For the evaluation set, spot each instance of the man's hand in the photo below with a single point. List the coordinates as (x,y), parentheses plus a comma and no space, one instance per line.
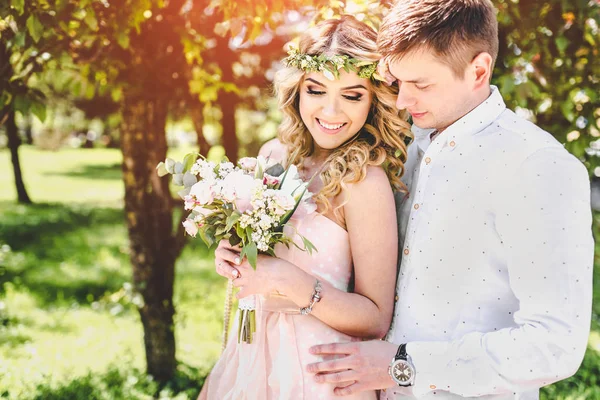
(364,366)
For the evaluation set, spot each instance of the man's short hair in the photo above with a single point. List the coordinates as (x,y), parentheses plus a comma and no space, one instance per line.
(455,30)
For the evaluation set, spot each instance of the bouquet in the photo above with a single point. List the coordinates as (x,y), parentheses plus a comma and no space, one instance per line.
(248,204)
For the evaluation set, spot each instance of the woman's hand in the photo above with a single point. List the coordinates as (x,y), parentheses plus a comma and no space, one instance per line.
(226,257)
(267,278)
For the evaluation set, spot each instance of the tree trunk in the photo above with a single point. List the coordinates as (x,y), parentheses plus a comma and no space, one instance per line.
(154,246)
(228,103)
(198,120)
(13,143)
(29,130)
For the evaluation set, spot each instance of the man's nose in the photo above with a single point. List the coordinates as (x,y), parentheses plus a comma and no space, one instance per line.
(405,99)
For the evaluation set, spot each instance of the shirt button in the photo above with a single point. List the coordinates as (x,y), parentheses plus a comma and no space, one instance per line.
(452,143)
(416,206)
(427,160)
(406,252)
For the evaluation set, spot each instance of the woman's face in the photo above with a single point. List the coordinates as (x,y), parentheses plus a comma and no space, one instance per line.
(334,111)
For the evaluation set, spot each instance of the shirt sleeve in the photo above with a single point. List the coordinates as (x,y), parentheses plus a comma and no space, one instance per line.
(543,219)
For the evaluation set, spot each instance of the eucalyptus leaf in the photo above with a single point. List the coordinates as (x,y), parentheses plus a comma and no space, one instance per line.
(170,165)
(184,192)
(178,167)
(189,179)
(178,179)
(161,169)
(275,170)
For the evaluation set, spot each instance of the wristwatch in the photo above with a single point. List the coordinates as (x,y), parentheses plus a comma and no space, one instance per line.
(401,369)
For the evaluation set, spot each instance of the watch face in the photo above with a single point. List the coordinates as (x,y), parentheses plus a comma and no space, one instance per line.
(402,372)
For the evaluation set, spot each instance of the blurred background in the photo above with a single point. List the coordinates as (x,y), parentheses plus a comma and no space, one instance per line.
(101,294)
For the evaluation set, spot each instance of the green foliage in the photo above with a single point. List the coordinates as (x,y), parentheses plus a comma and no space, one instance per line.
(119,383)
(549,64)
(66,303)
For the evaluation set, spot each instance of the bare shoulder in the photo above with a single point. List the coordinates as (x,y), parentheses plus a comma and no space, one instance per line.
(375,183)
(274,149)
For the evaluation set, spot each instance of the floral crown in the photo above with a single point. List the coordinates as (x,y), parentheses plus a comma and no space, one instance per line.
(330,65)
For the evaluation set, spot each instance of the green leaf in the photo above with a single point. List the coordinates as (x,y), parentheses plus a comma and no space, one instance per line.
(22,104)
(123,40)
(308,246)
(116,94)
(189,160)
(5,98)
(90,20)
(35,28)
(252,253)
(19,39)
(39,110)
(19,5)
(562,43)
(232,219)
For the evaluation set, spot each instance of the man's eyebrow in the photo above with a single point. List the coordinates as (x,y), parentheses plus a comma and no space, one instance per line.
(416,80)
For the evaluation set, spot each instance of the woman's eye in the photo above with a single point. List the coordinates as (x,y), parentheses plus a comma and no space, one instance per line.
(314,92)
(353,98)
(422,87)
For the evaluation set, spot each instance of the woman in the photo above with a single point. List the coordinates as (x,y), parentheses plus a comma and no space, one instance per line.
(339,123)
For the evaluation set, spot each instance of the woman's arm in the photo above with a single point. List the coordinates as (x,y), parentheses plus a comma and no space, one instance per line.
(371,224)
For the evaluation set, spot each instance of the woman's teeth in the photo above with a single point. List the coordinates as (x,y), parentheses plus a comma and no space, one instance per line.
(330,126)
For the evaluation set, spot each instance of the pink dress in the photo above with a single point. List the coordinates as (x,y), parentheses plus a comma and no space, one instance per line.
(273,366)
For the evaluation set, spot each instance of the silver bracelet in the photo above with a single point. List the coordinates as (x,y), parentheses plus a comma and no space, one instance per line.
(316,297)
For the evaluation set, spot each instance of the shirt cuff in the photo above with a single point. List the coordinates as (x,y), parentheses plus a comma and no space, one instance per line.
(432,372)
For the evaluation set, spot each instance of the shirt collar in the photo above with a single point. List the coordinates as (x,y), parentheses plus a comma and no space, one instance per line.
(472,123)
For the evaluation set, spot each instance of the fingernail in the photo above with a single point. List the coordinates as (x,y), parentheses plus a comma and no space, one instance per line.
(235,273)
(237,260)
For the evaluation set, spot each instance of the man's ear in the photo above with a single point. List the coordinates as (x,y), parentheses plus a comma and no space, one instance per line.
(481,69)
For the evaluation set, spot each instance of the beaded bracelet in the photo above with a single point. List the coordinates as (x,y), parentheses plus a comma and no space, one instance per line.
(316,297)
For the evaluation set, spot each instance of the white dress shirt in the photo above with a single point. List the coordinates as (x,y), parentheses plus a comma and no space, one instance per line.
(495,281)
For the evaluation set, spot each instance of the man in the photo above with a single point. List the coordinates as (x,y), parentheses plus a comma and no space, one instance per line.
(494,287)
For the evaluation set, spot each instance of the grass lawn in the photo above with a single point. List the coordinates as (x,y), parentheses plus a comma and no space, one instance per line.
(69,328)
(66,306)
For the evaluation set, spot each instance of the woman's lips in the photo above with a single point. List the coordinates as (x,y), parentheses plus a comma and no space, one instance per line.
(330,128)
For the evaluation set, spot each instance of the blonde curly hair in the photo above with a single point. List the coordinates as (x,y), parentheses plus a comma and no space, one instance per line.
(382,141)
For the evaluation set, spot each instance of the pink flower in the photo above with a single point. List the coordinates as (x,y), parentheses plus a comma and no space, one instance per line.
(383,72)
(190,227)
(203,192)
(242,185)
(270,180)
(248,163)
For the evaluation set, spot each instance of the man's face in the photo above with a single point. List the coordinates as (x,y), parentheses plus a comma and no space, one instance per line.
(430,91)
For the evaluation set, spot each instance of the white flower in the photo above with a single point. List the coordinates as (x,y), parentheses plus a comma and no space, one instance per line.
(190,227)
(329,75)
(293,185)
(202,192)
(206,169)
(248,163)
(225,168)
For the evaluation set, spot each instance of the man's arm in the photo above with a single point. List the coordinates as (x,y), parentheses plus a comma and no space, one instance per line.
(544,221)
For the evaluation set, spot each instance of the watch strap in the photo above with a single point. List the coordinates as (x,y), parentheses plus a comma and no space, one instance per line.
(401,353)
